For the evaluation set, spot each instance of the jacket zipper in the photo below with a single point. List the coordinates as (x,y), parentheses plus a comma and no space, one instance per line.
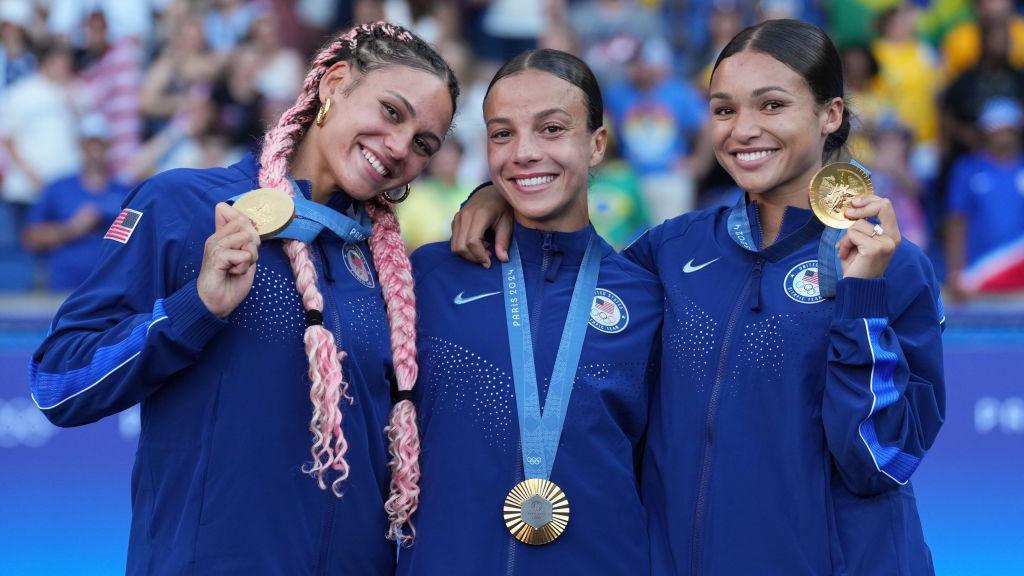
(709,427)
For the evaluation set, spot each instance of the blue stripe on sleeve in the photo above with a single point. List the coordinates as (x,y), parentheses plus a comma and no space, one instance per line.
(52,390)
(889,460)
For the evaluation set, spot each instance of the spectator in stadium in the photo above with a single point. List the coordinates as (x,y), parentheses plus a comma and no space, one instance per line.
(994,76)
(249,375)
(38,128)
(892,177)
(909,77)
(16,57)
(609,32)
(108,82)
(182,64)
(985,226)
(963,45)
(658,120)
(68,220)
(228,22)
(862,83)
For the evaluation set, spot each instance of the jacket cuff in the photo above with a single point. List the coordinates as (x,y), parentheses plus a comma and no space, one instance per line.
(189,317)
(860,298)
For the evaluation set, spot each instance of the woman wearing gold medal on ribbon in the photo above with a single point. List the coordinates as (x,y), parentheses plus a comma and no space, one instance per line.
(801,381)
(254,376)
(533,387)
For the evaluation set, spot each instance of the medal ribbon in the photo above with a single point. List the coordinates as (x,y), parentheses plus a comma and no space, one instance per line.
(830,268)
(312,217)
(540,433)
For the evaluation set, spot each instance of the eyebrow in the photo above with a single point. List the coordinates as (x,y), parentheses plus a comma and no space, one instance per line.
(540,114)
(408,105)
(755,93)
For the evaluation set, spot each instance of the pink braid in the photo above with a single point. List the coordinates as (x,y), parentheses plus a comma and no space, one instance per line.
(395,275)
(326,377)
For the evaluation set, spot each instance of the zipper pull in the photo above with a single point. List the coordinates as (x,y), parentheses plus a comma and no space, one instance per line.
(755,295)
(549,242)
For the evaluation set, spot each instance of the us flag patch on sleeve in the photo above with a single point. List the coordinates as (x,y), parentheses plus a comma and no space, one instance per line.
(123,226)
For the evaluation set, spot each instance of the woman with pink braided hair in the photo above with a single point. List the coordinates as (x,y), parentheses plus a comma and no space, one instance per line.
(254,377)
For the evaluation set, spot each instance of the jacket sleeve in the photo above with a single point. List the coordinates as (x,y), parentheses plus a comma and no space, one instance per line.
(134,322)
(884,399)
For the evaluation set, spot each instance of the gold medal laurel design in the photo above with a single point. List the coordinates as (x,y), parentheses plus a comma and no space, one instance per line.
(269,208)
(832,189)
(513,511)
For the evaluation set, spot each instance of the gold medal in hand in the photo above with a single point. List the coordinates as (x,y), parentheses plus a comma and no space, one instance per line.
(270,209)
(832,189)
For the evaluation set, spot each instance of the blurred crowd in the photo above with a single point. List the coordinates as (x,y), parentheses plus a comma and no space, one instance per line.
(97,95)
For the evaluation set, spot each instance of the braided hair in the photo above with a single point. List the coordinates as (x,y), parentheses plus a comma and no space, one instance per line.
(366,48)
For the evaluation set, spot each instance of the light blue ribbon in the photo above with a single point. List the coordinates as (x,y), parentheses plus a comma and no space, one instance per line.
(540,433)
(830,268)
(312,217)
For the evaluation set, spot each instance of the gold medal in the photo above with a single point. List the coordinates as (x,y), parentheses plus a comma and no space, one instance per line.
(536,511)
(269,208)
(832,189)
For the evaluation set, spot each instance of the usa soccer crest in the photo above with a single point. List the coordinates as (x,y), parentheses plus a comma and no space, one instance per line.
(356,263)
(607,313)
(802,283)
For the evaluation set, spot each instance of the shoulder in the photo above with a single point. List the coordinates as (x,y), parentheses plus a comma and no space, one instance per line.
(437,259)
(682,224)
(627,273)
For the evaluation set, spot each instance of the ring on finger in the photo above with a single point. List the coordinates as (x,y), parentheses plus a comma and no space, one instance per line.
(878,230)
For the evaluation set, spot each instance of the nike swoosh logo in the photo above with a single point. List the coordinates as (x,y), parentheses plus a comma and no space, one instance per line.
(689,267)
(460,300)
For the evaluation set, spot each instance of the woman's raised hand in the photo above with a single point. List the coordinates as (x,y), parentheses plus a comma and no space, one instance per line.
(866,248)
(229,261)
(485,210)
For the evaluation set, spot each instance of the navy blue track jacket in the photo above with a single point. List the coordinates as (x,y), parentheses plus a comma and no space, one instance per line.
(471,456)
(217,486)
(785,426)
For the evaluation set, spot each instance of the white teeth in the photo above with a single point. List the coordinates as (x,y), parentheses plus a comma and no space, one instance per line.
(375,163)
(752,156)
(535,181)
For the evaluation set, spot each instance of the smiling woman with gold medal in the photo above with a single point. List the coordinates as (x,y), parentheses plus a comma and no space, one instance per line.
(534,375)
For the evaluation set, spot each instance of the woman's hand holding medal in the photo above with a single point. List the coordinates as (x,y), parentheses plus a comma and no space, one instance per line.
(866,248)
(229,261)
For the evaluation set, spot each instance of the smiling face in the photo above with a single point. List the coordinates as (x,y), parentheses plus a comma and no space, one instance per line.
(767,130)
(381,131)
(540,150)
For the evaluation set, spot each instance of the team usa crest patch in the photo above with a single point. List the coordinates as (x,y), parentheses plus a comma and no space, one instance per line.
(802,283)
(607,312)
(356,263)
(124,225)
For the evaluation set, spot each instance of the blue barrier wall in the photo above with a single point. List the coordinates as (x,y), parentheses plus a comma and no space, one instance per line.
(64,494)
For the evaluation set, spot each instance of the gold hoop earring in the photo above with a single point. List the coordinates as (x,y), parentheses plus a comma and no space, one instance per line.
(321,114)
(387,195)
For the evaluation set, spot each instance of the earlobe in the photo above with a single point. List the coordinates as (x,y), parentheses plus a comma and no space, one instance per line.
(598,145)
